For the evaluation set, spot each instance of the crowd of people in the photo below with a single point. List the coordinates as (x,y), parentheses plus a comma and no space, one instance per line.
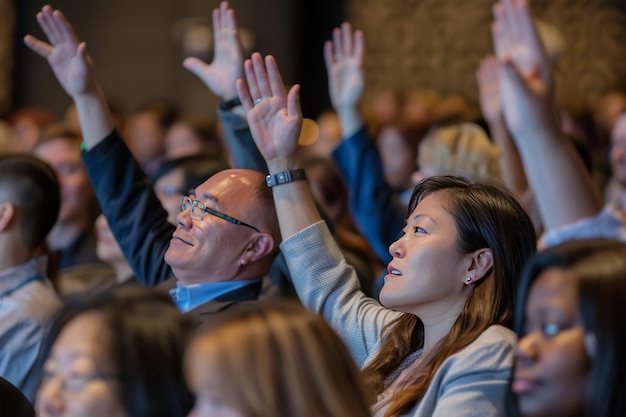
(414,262)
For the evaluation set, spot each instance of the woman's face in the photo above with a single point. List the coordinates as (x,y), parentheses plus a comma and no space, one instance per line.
(79,379)
(426,275)
(551,364)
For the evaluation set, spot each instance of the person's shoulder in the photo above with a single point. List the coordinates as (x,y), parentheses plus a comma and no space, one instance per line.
(493,347)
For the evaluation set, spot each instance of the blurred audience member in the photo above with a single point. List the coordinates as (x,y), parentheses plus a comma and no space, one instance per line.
(72,238)
(27,124)
(116,355)
(144,132)
(276,360)
(570,319)
(192,135)
(29,204)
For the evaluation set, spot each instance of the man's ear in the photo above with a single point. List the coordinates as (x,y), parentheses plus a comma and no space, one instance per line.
(7,212)
(481,263)
(259,246)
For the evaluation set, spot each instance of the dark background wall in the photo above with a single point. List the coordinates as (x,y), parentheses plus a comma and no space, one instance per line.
(138,56)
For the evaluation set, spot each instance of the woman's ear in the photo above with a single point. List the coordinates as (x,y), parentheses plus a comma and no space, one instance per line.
(7,212)
(481,263)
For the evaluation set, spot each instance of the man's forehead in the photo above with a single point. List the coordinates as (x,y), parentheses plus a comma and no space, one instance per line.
(227,183)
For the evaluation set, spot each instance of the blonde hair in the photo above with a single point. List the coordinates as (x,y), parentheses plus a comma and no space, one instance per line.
(462,149)
(279,360)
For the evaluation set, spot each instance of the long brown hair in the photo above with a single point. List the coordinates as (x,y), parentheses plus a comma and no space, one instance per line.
(486,216)
(277,359)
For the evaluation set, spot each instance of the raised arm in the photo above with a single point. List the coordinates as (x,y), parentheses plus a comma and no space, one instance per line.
(227,67)
(344,65)
(74,70)
(564,190)
(376,208)
(131,207)
(220,76)
(323,280)
(509,161)
(275,122)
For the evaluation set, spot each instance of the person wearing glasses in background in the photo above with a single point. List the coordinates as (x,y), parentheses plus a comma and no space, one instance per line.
(226,234)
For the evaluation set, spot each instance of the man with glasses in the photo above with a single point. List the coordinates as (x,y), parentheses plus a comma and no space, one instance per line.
(226,234)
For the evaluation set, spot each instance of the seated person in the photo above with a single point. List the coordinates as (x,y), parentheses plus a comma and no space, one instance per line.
(29,204)
(226,234)
(570,320)
(192,135)
(441,344)
(116,355)
(294,365)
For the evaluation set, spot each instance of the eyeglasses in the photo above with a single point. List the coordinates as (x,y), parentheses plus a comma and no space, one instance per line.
(198,209)
(75,383)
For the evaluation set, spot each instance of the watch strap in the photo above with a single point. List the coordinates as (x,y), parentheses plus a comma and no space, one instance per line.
(285,177)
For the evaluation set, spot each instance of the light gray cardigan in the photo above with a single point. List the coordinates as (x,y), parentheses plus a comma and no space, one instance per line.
(472,382)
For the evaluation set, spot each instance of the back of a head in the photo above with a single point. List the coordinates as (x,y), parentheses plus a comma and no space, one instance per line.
(145,338)
(599,268)
(277,360)
(60,131)
(31,185)
(462,149)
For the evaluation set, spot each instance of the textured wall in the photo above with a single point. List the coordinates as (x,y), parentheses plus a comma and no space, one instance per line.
(438,44)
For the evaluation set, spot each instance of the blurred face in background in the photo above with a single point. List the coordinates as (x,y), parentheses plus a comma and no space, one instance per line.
(79,376)
(76,192)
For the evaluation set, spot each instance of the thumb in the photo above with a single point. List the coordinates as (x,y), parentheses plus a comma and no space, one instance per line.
(193,64)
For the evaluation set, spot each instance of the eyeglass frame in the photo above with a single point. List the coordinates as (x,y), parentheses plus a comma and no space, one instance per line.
(205,209)
(76,383)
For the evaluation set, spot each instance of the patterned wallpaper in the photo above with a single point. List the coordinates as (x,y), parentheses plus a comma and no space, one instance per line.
(438,43)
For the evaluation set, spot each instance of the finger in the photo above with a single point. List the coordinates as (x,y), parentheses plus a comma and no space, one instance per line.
(346,38)
(500,44)
(510,18)
(224,15)
(276,80)
(44,18)
(40,47)
(261,75)
(293,102)
(231,21)
(251,79)
(337,41)
(359,45)
(64,27)
(244,95)
(215,17)
(328,56)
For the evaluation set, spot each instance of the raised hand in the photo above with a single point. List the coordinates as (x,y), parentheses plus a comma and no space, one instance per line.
(344,65)
(274,116)
(65,54)
(526,84)
(489,90)
(227,66)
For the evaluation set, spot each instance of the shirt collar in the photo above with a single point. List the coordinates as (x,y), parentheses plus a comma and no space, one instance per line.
(16,276)
(188,297)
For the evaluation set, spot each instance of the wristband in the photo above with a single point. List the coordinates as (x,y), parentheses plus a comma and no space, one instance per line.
(230,104)
(285,177)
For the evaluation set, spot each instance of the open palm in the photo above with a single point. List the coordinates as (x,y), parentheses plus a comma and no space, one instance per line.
(274,117)
(66,56)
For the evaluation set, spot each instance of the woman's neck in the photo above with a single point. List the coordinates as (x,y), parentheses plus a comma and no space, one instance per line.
(438,326)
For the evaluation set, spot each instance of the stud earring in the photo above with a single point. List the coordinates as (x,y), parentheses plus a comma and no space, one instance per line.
(468,280)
